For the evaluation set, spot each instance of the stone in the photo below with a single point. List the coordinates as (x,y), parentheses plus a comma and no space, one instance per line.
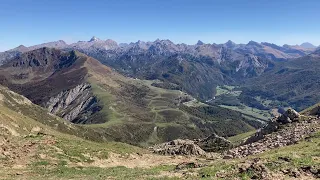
(35,130)
(283,135)
(178,147)
(289,116)
(214,143)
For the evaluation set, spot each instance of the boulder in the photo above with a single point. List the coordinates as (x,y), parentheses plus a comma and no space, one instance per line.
(178,147)
(292,114)
(199,147)
(214,143)
(272,126)
(289,116)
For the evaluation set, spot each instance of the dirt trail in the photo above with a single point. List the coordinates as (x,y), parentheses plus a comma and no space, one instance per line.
(138,161)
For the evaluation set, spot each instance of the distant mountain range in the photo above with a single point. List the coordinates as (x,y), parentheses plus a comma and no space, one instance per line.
(268,50)
(197,69)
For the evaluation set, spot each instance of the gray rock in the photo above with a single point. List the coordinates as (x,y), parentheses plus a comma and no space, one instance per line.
(289,116)
(73,104)
(214,143)
(276,136)
(178,147)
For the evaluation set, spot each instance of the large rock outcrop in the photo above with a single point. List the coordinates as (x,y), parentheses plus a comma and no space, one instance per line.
(178,147)
(202,147)
(75,104)
(285,130)
(289,116)
(214,143)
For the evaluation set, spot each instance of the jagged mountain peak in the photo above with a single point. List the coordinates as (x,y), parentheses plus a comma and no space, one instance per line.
(163,41)
(20,48)
(94,38)
(253,43)
(123,45)
(230,44)
(110,41)
(62,42)
(307,45)
(199,43)
(140,42)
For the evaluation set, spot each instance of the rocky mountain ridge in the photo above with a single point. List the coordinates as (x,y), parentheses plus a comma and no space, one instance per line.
(197,69)
(266,50)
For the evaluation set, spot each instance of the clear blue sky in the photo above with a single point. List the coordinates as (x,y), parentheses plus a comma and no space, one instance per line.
(30,22)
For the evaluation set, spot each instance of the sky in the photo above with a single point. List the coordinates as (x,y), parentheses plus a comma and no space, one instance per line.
(31,22)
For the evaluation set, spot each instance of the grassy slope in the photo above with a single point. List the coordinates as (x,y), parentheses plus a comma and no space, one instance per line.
(155,112)
(48,153)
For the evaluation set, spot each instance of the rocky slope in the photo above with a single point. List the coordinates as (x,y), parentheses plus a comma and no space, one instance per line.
(285,135)
(286,148)
(46,76)
(285,130)
(74,104)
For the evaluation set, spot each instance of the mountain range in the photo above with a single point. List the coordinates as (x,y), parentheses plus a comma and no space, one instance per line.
(203,66)
(81,90)
(269,50)
(149,92)
(70,111)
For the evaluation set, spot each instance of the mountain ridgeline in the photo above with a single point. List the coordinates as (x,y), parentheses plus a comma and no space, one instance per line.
(151,92)
(197,69)
(81,90)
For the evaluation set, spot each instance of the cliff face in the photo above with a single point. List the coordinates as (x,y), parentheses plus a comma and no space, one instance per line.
(75,105)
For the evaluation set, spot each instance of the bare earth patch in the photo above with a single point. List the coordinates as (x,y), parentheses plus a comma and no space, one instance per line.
(137,161)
